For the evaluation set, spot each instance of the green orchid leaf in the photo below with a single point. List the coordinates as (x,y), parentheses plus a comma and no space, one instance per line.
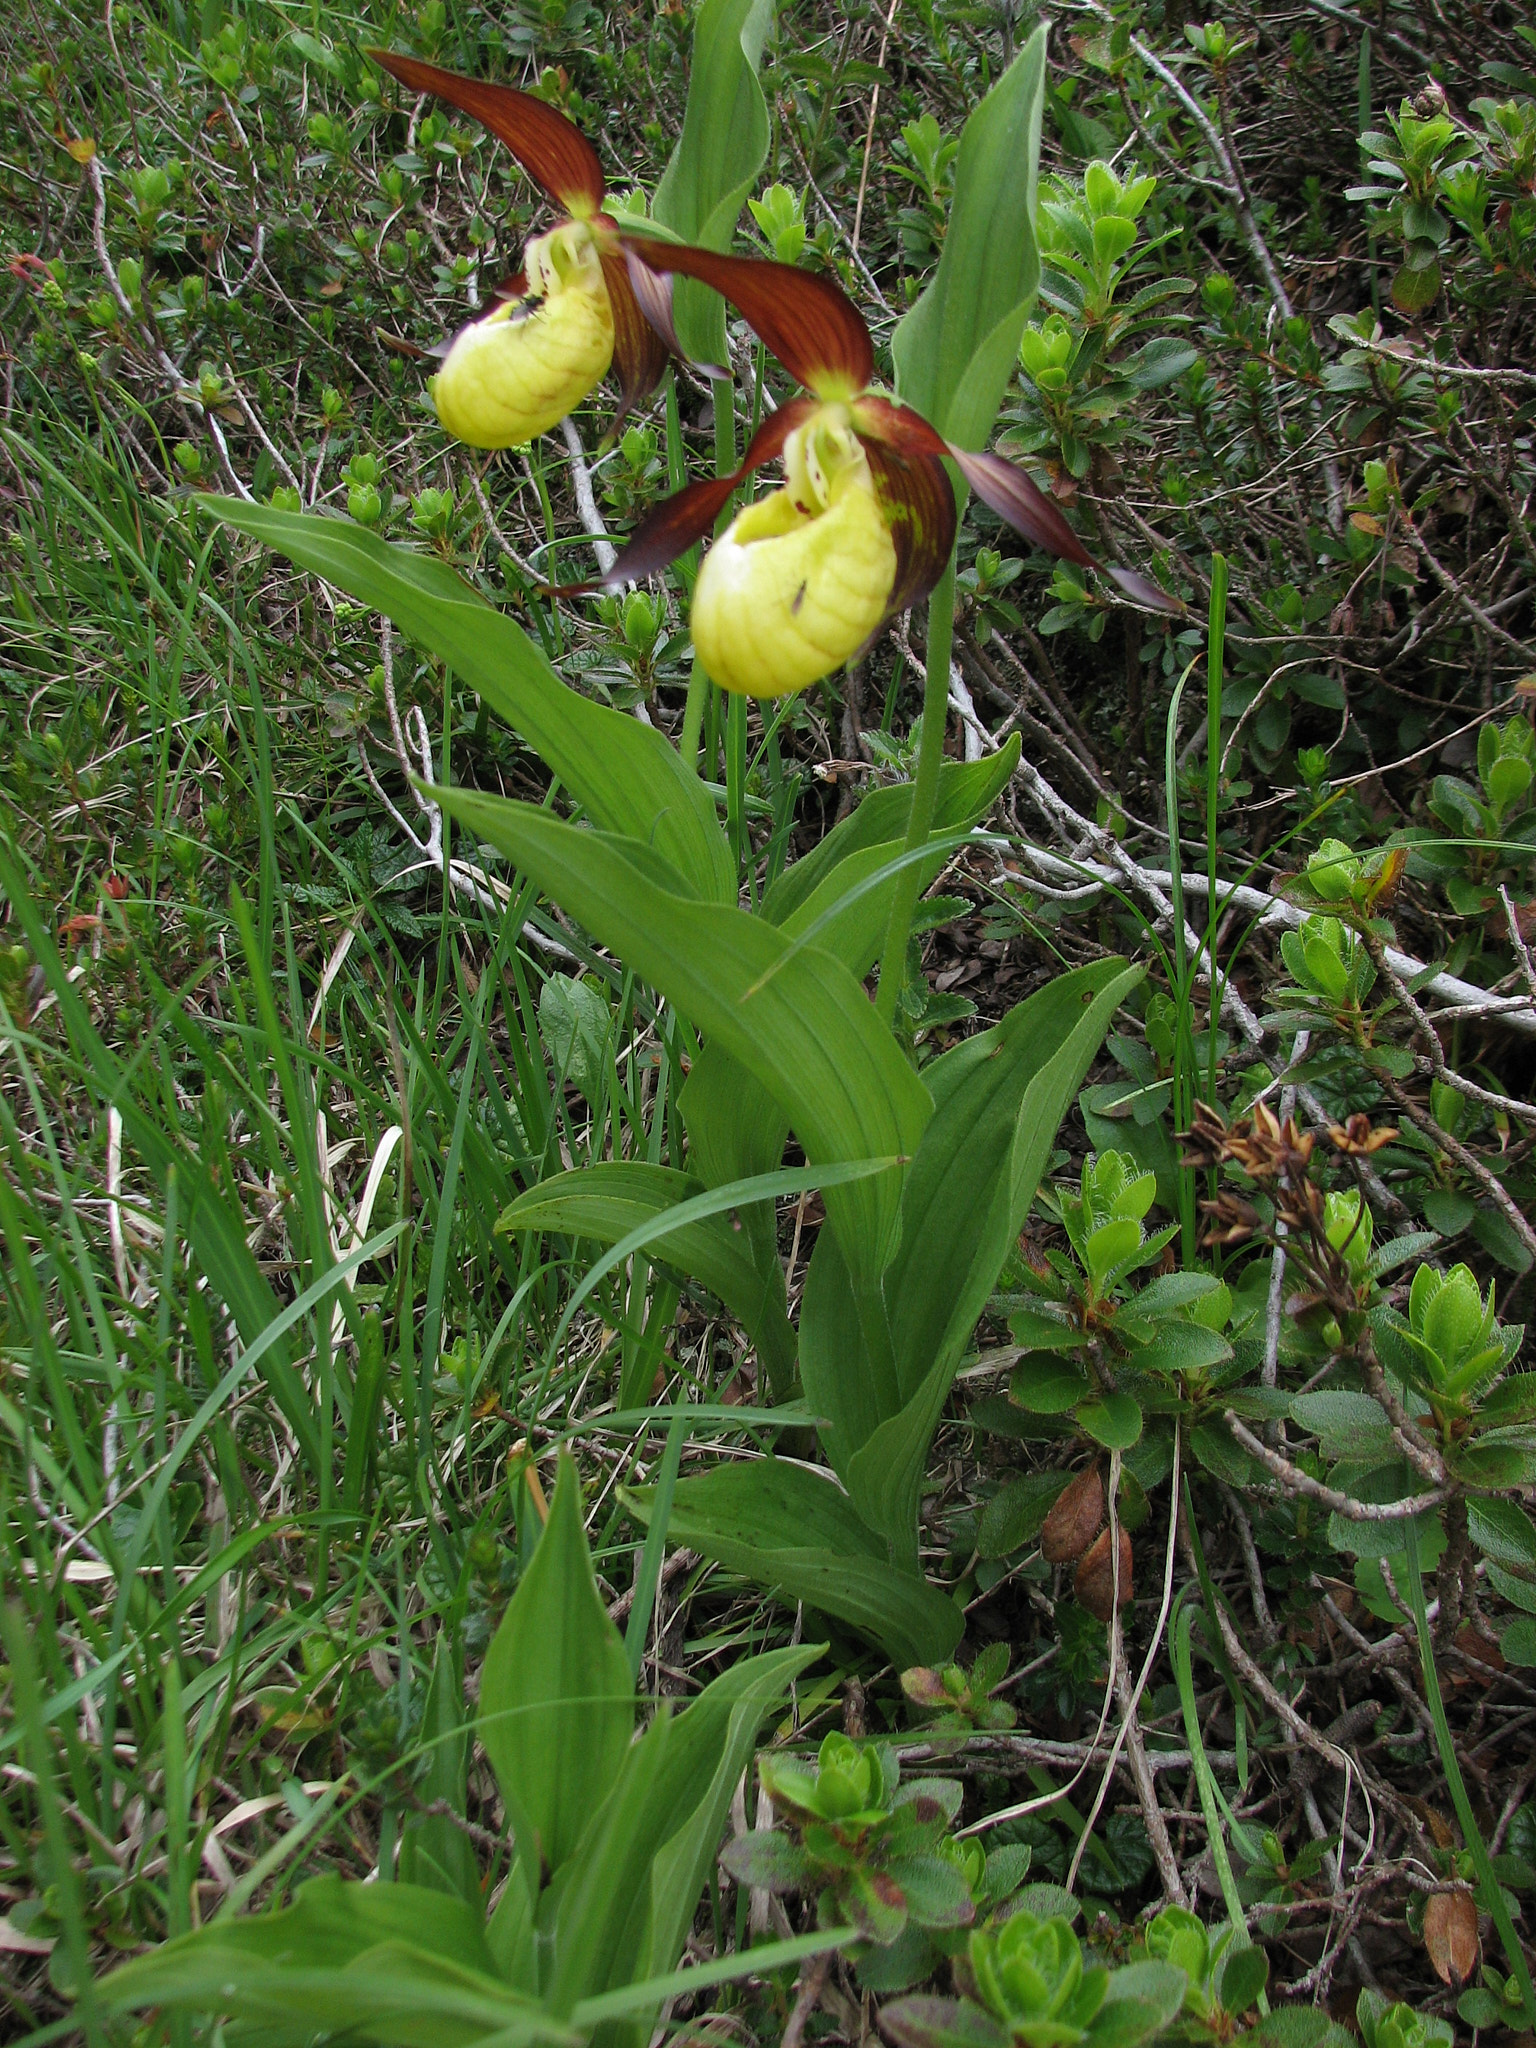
(557,1705)
(955,351)
(735,1127)
(795,1532)
(396,1964)
(723,146)
(840,1383)
(610,1198)
(624,774)
(967,792)
(1000,1100)
(794,1018)
(644,1860)
(886,1475)
(432,1850)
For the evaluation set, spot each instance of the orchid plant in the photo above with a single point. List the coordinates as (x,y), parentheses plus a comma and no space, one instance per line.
(864,524)
(926,1176)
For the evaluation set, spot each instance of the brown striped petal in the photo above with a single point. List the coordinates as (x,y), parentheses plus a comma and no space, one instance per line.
(677,522)
(1018,500)
(640,344)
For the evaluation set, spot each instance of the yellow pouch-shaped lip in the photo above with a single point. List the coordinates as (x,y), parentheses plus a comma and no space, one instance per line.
(797,582)
(521,369)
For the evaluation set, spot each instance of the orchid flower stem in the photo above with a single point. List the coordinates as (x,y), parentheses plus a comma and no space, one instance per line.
(698,681)
(925,790)
(736,778)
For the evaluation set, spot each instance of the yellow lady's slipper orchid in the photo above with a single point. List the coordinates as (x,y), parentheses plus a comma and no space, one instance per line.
(800,580)
(866,520)
(521,369)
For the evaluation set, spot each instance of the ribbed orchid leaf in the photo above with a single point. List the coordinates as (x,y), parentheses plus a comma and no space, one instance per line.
(626,775)
(958,346)
(719,154)
(789,1013)
(551,149)
(793,1529)
(809,323)
(557,1708)
(606,1200)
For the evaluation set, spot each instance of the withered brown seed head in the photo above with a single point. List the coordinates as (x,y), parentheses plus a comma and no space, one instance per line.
(1233,1220)
(1070,1527)
(1265,1148)
(1356,1136)
(1094,1584)
(1205,1141)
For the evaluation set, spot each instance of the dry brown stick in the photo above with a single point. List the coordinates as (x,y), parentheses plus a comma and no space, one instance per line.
(1486,1179)
(1146,1791)
(1517,940)
(1464,597)
(1294,1480)
(1304,1731)
(813,1976)
(679,1562)
(869,133)
(1425,1025)
(1251,1565)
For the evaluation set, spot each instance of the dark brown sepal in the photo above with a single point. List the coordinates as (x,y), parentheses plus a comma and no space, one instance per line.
(1143,591)
(809,323)
(551,149)
(639,345)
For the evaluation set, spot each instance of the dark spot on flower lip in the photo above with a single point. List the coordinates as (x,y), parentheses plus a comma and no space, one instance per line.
(799,600)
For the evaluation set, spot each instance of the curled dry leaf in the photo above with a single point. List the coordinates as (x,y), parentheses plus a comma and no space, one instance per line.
(1450,1936)
(1095,1580)
(1073,1522)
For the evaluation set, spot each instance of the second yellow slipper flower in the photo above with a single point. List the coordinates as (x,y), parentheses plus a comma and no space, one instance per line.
(520,370)
(799,581)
